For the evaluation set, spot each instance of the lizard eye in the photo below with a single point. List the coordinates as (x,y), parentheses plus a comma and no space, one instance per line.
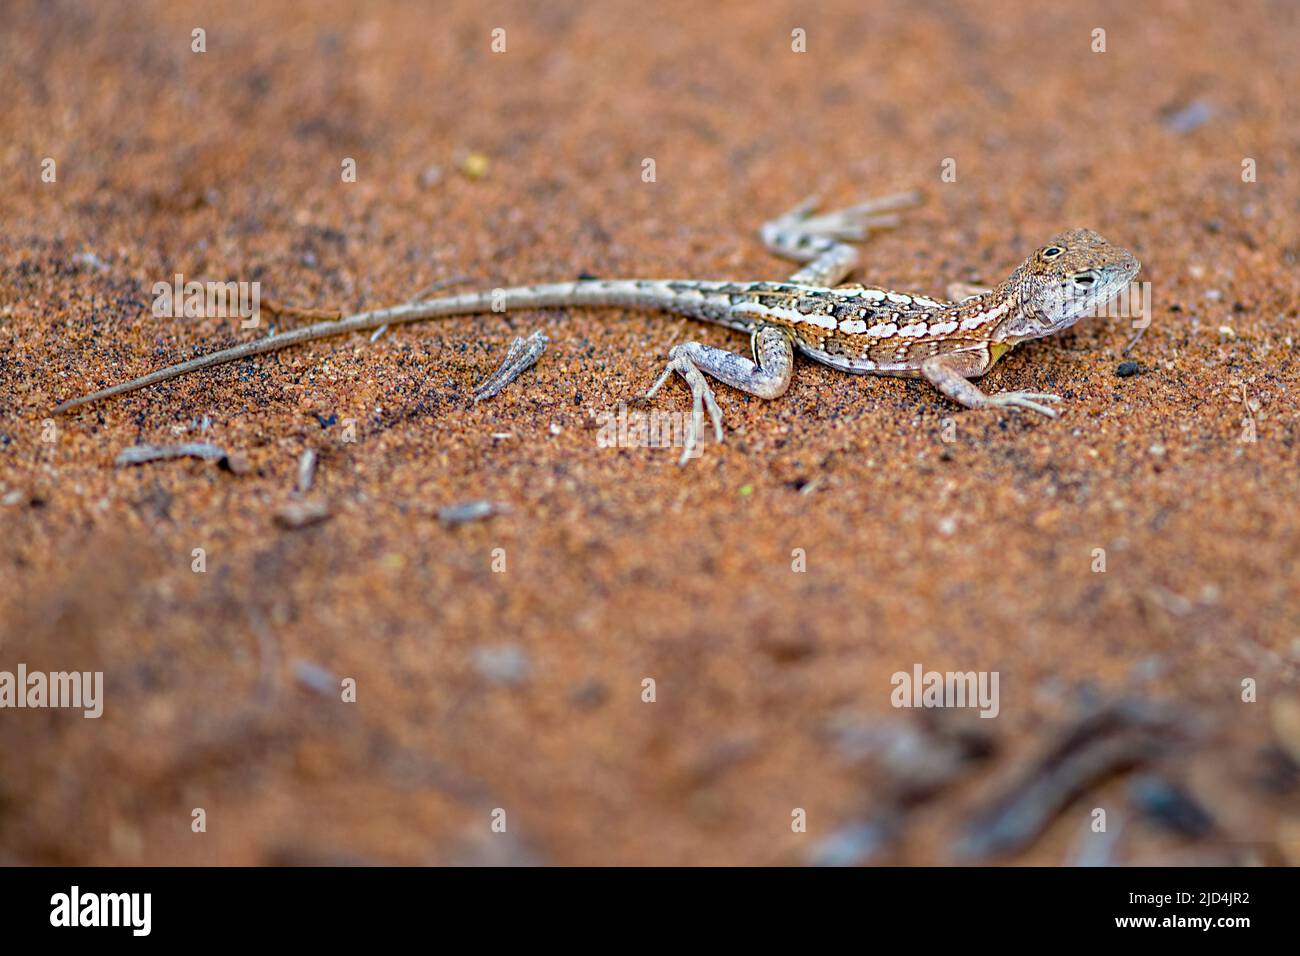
(1051,252)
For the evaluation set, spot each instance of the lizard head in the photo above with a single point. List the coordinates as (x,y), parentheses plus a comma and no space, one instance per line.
(1075,273)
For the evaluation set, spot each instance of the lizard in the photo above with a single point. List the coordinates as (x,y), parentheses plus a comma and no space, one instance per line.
(849,327)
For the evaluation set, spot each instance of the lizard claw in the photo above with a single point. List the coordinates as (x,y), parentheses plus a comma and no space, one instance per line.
(855,222)
(851,224)
(1029,400)
(701,398)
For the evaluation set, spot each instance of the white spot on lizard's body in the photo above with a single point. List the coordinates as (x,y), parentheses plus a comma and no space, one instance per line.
(943,328)
(916,328)
(898,297)
(793,316)
(853,325)
(881,331)
(975,321)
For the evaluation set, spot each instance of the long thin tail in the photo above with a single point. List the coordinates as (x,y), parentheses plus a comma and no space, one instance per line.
(708,301)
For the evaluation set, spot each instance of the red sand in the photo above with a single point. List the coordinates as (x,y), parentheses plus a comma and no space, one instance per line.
(619,565)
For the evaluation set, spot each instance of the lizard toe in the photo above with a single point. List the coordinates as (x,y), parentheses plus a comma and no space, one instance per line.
(702,398)
(1024,400)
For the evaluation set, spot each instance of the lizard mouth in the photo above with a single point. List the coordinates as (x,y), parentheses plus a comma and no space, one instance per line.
(1093,300)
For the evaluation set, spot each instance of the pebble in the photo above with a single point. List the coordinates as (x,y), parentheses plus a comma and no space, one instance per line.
(853,845)
(1148,669)
(505,664)
(589,695)
(90,260)
(306,471)
(302,514)
(314,677)
(856,735)
(431,177)
(453,515)
(475,165)
(1194,114)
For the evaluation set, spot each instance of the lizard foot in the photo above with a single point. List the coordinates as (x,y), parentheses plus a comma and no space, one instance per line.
(853,223)
(1029,400)
(701,397)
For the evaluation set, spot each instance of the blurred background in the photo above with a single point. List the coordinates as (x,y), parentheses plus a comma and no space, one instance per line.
(501,664)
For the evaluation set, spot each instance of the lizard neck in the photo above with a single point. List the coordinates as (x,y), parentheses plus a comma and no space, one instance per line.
(990,312)
(1023,320)
(1010,327)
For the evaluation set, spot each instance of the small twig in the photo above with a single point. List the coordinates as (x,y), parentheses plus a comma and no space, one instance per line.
(1105,742)
(141,454)
(302,514)
(453,515)
(306,471)
(1170,601)
(315,677)
(440,284)
(1135,339)
(1246,401)
(268,652)
(811,486)
(522,355)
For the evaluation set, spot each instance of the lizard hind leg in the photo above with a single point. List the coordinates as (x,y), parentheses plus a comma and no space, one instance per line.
(821,242)
(768,376)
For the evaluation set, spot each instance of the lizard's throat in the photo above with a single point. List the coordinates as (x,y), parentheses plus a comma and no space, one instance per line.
(1017,321)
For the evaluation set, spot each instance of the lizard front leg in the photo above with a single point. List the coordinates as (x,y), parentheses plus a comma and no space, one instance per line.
(950,374)
(768,376)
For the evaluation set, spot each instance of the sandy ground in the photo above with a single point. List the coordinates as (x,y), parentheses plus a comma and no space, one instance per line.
(500,665)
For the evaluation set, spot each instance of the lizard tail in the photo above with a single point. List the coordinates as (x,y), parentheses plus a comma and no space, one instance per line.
(642,293)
